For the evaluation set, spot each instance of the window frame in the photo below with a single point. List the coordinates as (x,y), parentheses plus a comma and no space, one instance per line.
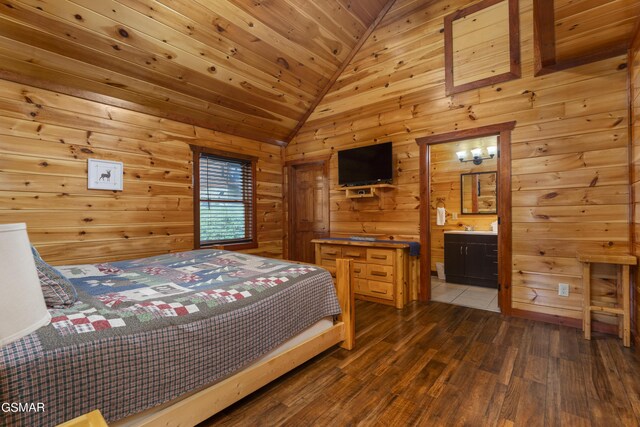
(224,155)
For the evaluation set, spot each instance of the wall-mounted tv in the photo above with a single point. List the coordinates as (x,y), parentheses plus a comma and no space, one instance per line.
(372,164)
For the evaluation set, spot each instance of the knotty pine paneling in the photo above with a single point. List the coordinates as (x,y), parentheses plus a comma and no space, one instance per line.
(445,183)
(586,26)
(475,37)
(45,141)
(570,161)
(247,68)
(634,101)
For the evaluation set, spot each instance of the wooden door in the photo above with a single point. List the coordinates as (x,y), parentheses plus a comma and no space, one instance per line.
(308,208)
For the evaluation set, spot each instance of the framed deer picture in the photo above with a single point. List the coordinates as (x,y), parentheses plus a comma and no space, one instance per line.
(104,175)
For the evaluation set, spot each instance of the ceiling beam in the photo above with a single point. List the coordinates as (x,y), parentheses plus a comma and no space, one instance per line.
(340,69)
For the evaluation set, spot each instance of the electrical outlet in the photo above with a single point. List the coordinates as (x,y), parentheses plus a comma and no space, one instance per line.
(454,215)
(563,289)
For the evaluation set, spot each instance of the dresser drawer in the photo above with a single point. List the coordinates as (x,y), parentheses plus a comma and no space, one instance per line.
(330,251)
(383,273)
(354,253)
(359,270)
(380,256)
(383,290)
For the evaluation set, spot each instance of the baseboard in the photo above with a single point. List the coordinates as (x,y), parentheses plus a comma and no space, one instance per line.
(564,321)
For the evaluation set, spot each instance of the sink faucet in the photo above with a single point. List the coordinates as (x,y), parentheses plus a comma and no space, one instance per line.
(468,228)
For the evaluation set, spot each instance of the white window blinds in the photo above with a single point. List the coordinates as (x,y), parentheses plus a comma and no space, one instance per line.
(225,200)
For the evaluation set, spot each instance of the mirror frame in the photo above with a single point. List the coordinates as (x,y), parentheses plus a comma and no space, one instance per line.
(462,175)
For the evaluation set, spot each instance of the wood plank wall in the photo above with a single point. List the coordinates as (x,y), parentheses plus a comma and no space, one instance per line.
(580,26)
(45,141)
(445,183)
(569,152)
(634,100)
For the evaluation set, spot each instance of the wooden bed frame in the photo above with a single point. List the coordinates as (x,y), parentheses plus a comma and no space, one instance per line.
(198,407)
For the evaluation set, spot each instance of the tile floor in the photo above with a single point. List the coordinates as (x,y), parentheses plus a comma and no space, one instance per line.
(468,296)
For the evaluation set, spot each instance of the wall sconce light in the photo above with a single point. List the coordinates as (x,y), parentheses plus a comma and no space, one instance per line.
(476,155)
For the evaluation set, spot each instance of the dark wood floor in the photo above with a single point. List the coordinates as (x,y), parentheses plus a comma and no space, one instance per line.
(438,364)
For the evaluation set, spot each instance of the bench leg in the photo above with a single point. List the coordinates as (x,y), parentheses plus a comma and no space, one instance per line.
(586,302)
(626,339)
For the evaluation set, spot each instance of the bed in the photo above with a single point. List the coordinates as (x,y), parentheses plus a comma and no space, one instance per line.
(173,339)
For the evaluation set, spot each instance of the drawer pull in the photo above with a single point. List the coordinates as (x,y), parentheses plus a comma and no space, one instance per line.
(379,273)
(378,292)
(357,270)
(331,252)
(379,256)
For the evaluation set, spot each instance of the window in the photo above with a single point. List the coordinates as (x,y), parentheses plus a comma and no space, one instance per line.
(224,199)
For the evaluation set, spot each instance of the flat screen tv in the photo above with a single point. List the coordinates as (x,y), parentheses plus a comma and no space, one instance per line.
(372,164)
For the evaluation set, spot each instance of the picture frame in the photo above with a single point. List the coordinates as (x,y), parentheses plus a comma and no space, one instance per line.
(511,53)
(104,175)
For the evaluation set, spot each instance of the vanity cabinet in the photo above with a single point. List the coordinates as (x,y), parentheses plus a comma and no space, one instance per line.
(471,258)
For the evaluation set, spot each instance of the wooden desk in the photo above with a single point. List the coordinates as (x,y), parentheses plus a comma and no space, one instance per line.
(383,270)
(623,290)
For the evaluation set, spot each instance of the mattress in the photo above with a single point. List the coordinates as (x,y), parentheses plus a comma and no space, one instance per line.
(147,331)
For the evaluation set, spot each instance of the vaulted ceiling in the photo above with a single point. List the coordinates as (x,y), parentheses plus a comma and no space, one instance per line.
(252,68)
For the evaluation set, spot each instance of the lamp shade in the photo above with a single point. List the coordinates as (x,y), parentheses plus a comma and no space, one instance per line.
(476,152)
(22,306)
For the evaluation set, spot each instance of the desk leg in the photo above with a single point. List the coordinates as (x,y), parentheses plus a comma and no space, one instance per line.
(626,291)
(586,302)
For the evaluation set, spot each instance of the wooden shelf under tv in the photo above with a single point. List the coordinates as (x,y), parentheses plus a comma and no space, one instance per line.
(362,191)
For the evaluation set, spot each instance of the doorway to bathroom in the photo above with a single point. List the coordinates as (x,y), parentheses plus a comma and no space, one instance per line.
(464,224)
(465,220)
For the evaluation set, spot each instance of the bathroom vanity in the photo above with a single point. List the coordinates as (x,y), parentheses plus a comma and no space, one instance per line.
(471,258)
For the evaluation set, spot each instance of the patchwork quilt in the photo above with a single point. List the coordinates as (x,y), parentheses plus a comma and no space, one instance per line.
(145,331)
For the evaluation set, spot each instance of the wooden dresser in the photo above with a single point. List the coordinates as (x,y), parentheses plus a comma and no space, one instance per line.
(383,270)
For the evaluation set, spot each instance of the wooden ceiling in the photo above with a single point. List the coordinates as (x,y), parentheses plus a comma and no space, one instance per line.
(252,68)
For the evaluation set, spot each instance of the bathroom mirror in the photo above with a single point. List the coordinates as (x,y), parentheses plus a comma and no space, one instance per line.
(478,193)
